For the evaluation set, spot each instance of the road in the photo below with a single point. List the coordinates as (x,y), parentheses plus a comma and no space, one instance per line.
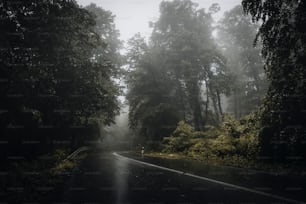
(111,178)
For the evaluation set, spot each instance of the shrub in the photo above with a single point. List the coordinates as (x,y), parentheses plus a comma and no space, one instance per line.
(231,138)
(179,141)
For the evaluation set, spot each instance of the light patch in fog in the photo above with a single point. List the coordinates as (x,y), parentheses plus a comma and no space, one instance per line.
(133,16)
(118,136)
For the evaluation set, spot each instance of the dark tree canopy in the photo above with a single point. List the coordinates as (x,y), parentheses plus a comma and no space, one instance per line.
(283,34)
(110,47)
(49,76)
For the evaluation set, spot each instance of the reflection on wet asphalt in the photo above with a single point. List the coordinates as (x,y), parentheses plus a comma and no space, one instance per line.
(276,183)
(121,178)
(106,178)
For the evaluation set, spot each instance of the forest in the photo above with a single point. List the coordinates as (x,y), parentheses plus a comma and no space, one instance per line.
(180,79)
(231,91)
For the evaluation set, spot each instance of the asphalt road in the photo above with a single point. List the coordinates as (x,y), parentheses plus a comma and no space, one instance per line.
(111,178)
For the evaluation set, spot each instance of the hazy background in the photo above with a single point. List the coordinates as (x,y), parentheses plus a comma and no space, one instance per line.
(133,16)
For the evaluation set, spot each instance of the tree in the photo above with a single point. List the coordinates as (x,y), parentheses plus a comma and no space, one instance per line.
(105,27)
(177,73)
(49,75)
(183,34)
(152,108)
(284,43)
(236,34)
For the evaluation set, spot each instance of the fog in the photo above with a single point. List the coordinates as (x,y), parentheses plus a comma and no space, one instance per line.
(133,16)
(151,101)
(118,136)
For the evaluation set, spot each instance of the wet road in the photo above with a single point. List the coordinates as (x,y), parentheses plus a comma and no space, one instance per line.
(287,186)
(110,178)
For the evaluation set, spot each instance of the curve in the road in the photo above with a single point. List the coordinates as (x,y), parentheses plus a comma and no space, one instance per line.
(213,180)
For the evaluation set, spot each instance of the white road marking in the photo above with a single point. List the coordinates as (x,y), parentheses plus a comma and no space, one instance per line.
(214,181)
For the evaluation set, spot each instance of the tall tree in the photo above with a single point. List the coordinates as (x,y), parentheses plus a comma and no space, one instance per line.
(49,77)
(236,34)
(106,29)
(178,75)
(183,33)
(283,33)
(151,92)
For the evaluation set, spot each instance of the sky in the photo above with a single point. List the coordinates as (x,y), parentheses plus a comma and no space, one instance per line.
(133,16)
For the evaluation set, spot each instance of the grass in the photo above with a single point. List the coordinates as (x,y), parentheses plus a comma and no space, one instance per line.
(236,162)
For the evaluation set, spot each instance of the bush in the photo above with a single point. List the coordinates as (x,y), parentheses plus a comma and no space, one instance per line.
(202,147)
(231,138)
(179,141)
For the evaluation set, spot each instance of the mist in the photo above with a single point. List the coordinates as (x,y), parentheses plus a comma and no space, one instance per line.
(150,101)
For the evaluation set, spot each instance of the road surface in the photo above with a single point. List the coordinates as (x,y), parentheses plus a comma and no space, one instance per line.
(111,178)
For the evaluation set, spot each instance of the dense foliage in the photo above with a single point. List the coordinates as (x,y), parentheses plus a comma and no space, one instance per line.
(109,49)
(183,34)
(179,74)
(152,100)
(236,34)
(234,138)
(283,37)
(280,135)
(52,79)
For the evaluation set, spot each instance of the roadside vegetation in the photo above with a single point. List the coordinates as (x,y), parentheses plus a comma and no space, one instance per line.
(39,180)
(59,62)
(58,68)
(180,80)
(234,138)
(233,143)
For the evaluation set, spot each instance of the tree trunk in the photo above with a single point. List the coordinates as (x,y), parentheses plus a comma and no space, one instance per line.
(182,100)
(198,119)
(216,108)
(196,105)
(207,102)
(219,103)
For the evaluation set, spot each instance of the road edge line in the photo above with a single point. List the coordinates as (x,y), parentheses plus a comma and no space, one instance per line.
(214,181)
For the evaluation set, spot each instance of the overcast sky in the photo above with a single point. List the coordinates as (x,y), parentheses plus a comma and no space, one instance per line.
(133,16)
